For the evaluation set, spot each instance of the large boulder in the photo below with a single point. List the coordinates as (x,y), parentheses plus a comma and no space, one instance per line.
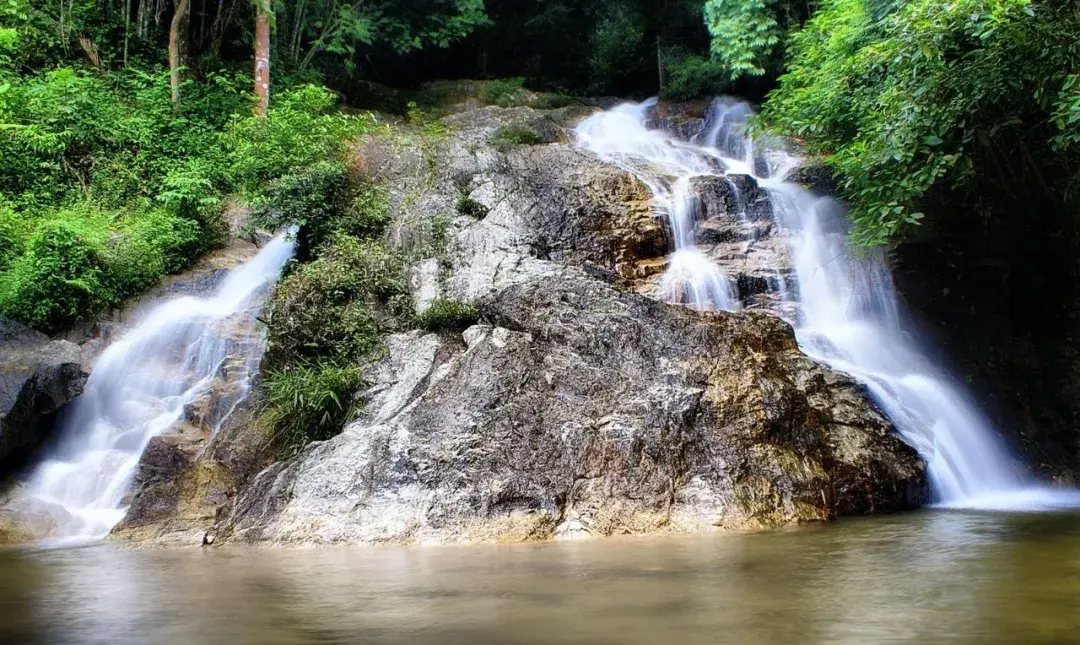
(576,408)
(38,376)
(583,410)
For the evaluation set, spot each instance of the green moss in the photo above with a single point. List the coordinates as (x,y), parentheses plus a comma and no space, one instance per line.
(447,314)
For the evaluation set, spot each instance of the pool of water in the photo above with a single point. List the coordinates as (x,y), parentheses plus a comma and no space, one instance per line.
(930,577)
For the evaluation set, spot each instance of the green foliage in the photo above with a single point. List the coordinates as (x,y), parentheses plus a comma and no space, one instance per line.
(14,231)
(338,305)
(308,402)
(156,243)
(62,274)
(369,213)
(447,315)
(469,207)
(343,28)
(906,99)
(617,42)
(517,134)
(506,92)
(311,199)
(688,75)
(104,163)
(427,121)
(77,261)
(302,129)
(744,33)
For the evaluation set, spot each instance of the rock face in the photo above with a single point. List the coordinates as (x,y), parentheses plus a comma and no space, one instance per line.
(38,376)
(580,406)
(580,409)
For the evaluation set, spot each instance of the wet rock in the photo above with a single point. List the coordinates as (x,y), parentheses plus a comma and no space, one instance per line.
(585,407)
(717,198)
(24,519)
(684,119)
(753,200)
(38,376)
(816,177)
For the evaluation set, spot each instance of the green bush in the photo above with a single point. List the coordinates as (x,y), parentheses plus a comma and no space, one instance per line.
(14,231)
(469,207)
(156,243)
(446,314)
(339,304)
(301,130)
(62,276)
(552,100)
(517,134)
(78,261)
(311,198)
(506,92)
(106,158)
(688,76)
(369,213)
(308,403)
(908,102)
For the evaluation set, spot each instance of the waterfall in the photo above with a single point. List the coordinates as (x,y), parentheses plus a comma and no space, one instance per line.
(666,165)
(848,314)
(145,382)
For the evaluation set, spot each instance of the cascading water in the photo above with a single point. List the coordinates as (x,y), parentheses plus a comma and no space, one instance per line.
(666,166)
(142,384)
(848,312)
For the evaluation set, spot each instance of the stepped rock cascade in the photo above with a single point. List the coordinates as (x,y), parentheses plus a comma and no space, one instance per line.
(666,166)
(847,310)
(144,383)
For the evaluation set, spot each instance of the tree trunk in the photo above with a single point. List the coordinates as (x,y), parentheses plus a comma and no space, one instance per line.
(91,51)
(177,33)
(262,56)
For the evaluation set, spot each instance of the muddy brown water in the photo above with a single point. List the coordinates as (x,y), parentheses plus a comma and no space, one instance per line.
(929,577)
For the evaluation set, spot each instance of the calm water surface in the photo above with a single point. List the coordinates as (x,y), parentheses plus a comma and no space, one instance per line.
(933,577)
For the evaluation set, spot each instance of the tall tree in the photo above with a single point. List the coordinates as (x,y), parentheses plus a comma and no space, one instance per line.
(177,35)
(262,56)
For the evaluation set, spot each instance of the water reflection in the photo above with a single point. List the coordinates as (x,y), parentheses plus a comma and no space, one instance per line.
(941,576)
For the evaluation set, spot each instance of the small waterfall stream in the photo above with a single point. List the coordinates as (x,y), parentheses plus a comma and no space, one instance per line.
(848,315)
(143,384)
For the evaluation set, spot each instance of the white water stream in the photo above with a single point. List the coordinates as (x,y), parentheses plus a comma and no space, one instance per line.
(141,385)
(848,311)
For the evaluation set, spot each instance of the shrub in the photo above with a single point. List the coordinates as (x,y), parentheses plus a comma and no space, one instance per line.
(60,278)
(154,245)
(78,261)
(300,130)
(14,230)
(308,403)
(913,103)
(507,92)
(338,305)
(369,213)
(469,207)
(446,314)
(517,134)
(551,101)
(311,199)
(688,76)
